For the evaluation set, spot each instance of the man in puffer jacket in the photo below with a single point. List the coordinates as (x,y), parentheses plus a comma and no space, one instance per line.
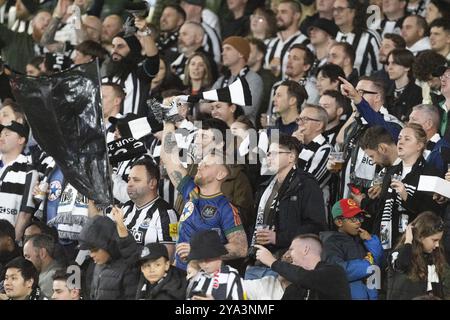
(109,276)
(353,248)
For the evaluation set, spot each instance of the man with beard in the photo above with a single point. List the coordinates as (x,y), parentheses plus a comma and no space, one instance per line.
(127,68)
(289,14)
(172,18)
(149,218)
(206,207)
(12,43)
(196,12)
(190,41)
(299,62)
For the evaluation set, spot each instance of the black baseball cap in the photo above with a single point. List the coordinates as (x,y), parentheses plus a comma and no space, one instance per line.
(153,251)
(21,129)
(440,70)
(326,25)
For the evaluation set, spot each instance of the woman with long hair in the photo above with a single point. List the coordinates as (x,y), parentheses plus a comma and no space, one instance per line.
(400,202)
(416,266)
(263,24)
(164,80)
(197,74)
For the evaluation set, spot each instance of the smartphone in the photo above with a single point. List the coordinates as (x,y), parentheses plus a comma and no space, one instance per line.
(353,189)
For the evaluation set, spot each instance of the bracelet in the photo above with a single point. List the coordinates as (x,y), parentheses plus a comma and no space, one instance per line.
(146,32)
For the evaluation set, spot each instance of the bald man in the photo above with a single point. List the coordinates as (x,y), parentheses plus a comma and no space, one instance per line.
(111,26)
(311,278)
(190,41)
(92,26)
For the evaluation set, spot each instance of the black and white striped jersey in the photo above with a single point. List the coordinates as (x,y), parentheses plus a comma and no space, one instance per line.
(367,47)
(212,43)
(17,180)
(314,157)
(277,48)
(225,284)
(154,222)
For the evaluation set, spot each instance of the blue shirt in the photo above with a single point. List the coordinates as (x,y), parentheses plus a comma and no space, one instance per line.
(204,213)
(56,182)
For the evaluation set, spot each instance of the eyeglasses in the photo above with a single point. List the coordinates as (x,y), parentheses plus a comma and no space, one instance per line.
(363,92)
(305,119)
(355,219)
(274,153)
(339,10)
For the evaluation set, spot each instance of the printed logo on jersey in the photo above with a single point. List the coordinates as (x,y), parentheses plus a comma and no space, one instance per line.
(55,190)
(145,224)
(187,211)
(173,230)
(208,212)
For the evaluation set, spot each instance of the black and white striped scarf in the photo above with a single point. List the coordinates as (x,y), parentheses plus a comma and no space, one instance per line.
(225,284)
(393,202)
(313,159)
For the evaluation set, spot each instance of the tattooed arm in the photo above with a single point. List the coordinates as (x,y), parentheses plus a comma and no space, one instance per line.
(170,157)
(48,38)
(237,245)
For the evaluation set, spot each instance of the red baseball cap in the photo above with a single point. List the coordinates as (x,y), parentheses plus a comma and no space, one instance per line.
(346,208)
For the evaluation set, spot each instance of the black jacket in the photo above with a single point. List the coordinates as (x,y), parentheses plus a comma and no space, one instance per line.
(171,287)
(118,278)
(301,208)
(417,203)
(402,106)
(325,282)
(400,285)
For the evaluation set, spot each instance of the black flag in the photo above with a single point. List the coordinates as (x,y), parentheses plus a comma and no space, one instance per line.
(65,114)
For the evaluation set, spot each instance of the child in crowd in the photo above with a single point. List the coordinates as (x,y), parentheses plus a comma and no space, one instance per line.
(160,280)
(352,247)
(215,280)
(417,264)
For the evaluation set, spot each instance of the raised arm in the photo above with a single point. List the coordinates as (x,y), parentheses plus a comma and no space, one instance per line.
(48,38)
(169,155)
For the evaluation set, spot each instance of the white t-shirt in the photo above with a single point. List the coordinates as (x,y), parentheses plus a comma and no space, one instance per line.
(267,288)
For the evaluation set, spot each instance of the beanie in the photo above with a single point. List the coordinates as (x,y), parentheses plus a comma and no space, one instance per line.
(31,5)
(240,44)
(132,42)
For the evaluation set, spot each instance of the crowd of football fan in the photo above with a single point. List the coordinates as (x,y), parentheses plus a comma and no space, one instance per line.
(339,180)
